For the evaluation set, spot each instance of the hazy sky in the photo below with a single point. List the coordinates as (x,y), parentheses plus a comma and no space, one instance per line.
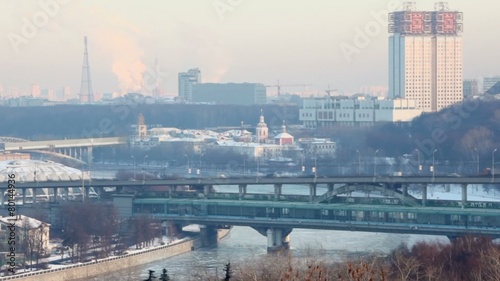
(294,41)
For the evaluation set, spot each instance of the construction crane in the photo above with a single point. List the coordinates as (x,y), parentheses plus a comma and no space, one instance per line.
(329,91)
(278,86)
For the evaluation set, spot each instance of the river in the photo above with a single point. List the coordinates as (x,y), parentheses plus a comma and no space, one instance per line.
(244,244)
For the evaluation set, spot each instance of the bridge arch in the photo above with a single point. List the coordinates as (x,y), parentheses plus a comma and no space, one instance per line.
(383,189)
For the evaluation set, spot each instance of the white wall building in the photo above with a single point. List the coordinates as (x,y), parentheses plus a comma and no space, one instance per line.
(318,147)
(328,112)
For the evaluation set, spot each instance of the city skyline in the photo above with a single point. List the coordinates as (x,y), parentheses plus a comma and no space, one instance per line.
(229,41)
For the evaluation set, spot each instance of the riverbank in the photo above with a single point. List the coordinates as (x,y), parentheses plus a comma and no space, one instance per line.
(88,270)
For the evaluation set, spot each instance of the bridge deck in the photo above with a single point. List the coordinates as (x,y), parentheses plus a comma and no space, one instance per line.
(69,143)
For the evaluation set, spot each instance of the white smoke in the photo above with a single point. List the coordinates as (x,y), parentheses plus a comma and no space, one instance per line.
(119,39)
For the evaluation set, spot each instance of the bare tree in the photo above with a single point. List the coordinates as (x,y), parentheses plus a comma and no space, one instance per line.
(405,266)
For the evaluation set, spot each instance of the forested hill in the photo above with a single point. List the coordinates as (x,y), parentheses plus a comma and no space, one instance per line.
(77,121)
(458,133)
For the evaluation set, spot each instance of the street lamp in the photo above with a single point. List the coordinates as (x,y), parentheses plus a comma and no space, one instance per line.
(200,158)
(189,164)
(418,161)
(375,163)
(359,162)
(315,169)
(133,158)
(493,164)
(477,159)
(244,162)
(433,166)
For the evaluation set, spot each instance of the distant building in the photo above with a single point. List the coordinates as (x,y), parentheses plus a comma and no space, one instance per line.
(494,90)
(318,147)
(328,112)
(471,88)
(48,94)
(35,91)
(231,93)
(5,156)
(425,56)
(66,93)
(26,101)
(186,82)
(489,82)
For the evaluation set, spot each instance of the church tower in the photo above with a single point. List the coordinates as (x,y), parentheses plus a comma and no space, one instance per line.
(262,131)
(142,128)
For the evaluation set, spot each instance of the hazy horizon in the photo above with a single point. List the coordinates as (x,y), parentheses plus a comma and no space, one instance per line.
(296,42)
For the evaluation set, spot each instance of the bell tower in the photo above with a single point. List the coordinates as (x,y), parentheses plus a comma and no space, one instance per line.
(262,130)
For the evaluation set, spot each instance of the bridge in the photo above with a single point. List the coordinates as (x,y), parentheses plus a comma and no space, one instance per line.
(390,209)
(277,219)
(62,144)
(392,186)
(75,148)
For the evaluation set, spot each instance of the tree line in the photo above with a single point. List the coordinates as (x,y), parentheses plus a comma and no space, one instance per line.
(92,121)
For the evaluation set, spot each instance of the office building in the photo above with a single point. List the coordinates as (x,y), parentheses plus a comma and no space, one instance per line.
(489,82)
(329,112)
(186,82)
(230,93)
(471,88)
(425,56)
(35,91)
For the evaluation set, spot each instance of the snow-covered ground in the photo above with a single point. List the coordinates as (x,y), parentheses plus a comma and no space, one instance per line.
(475,192)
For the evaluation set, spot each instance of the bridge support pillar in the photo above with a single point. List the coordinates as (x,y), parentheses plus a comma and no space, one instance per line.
(85,195)
(89,155)
(242,190)
(277,191)
(24,195)
(312,192)
(208,235)
(464,195)
(277,239)
(271,240)
(66,193)
(54,191)
(206,190)
(33,194)
(80,154)
(100,191)
(330,187)
(424,195)
(404,188)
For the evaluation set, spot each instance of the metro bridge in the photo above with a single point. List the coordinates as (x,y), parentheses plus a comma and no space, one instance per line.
(276,214)
(276,219)
(393,186)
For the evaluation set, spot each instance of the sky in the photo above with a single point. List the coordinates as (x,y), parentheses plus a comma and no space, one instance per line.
(294,41)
